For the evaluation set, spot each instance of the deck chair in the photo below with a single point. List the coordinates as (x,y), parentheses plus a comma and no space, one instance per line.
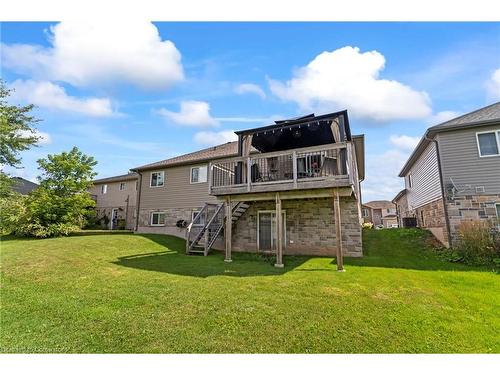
(329,167)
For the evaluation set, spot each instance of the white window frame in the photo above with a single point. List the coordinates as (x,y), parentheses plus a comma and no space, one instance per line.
(497,137)
(497,206)
(104,189)
(410,181)
(151,179)
(124,186)
(258,227)
(365,210)
(191,174)
(193,215)
(151,219)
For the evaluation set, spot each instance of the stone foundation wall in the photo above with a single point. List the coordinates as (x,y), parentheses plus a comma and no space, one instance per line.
(470,208)
(172,215)
(310,227)
(431,216)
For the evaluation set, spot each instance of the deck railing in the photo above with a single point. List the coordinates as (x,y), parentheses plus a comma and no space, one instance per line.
(325,162)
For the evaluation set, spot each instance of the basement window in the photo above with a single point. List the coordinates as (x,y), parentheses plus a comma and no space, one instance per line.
(157,219)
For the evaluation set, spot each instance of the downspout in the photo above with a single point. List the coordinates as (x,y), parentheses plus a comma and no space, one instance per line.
(138,201)
(443,192)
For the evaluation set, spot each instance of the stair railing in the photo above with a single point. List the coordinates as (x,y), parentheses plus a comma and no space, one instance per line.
(189,230)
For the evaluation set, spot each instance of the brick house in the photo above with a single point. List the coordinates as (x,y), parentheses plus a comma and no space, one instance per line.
(453,175)
(380,213)
(292,187)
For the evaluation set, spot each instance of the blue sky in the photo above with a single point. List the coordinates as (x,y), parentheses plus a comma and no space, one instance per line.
(134,93)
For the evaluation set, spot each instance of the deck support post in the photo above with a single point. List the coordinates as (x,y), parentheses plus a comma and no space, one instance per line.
(338,231)
(279,233)
(228,229)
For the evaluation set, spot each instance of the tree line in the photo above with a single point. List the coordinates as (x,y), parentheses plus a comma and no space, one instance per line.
(61,204)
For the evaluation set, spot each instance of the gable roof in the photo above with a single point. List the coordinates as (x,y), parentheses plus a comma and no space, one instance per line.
(480,117)
(214,152)
(399,195)
(379,204)
(123,177)
(23,186)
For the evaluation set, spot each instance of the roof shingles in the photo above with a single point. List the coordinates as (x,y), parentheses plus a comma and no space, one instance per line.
(214,152)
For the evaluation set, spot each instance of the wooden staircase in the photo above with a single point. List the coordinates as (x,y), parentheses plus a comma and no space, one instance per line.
(201,237)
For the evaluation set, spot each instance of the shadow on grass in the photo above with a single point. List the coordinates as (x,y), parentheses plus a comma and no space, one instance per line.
(174,261)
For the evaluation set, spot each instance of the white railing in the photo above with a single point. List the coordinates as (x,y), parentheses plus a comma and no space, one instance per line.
(290,166)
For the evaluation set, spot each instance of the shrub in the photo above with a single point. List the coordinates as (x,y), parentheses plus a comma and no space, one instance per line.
(12,212)
(478,243)
(49,230)
(367,225)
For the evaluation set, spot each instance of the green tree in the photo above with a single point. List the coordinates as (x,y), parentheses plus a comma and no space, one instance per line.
(17,133)
(62,202)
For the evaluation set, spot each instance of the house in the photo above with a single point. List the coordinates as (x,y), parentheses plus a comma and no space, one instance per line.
(22,186)
(116,200)
(380,213)
(404,217)
(453,175)
(292,187)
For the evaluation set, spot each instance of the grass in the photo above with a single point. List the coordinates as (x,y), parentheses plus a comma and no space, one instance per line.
(140,293)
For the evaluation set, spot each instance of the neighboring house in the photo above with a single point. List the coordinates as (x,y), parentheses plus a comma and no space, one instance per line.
(404,216)
(116,199)
(22,186)
(289,188)
(453,175)
(380,213)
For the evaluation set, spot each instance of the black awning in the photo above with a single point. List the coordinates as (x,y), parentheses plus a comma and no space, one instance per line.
(304,131)
(299,136)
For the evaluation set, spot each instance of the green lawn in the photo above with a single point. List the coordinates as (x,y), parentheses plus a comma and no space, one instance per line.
(140,293)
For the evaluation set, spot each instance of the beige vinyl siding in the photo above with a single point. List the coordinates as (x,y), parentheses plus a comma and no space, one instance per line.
(460,161)
(177,192)
(115,197)
(426,186)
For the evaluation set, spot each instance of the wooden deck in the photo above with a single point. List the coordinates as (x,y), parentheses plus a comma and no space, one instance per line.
(318,167)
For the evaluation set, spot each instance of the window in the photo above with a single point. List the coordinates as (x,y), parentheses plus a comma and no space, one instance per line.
(157,179)
(488,143)
(410,181)
(498,210)
(122,186)
(199,174)
(365,212)
(201,220)
(157,219)
(104,189)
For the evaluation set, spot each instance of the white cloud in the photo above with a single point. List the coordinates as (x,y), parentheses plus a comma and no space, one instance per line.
(441,117)
(493,85)
(348,78)
(215,138)
(48,95)
(250,88)
(43,137)
(404,142)
(382,181)
(92,52)
(192,113)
